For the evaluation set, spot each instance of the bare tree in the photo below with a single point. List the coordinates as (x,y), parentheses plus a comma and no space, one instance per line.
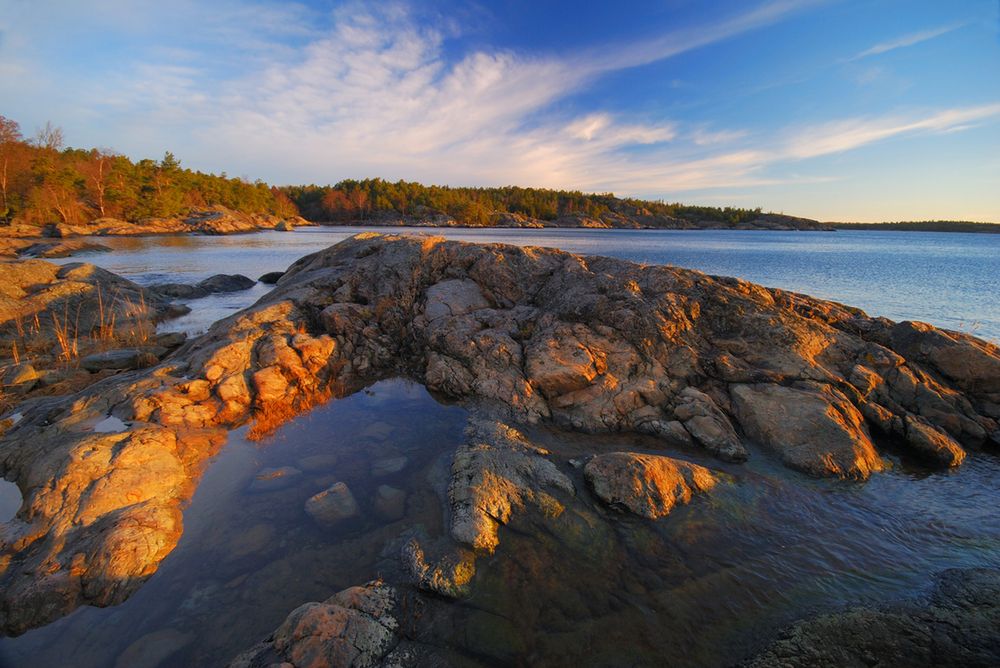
(10,134)
(50,137)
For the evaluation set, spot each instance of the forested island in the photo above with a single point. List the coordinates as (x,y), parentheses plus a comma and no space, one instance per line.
(924,226)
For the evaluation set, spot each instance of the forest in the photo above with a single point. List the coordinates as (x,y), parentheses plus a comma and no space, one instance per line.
(42,181)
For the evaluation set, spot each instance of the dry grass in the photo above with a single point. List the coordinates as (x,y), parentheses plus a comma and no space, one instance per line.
(64,341)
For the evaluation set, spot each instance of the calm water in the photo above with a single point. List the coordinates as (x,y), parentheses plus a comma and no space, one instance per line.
(703,587)
(950,280)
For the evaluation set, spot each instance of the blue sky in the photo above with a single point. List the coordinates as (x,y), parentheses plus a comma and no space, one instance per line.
(833,109)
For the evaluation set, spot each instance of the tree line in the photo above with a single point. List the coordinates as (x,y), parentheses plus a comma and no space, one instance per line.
(41,181)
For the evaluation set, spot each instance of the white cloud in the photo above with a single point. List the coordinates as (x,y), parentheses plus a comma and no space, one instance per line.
(907,40)
(845,135)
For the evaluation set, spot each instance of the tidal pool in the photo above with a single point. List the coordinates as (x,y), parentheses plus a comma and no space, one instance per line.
(705,586)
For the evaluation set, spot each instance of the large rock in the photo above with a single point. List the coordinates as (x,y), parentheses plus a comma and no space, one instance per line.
(494,474)
(670,353)
(130,358)
(647,485)
(814,428)
(211,285)
(956,627)
(355,627)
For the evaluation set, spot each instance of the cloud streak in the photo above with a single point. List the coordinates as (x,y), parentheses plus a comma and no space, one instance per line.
(904,41)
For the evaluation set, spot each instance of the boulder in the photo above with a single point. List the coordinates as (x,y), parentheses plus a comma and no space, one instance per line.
(646,485)
(332,505)
(813,428)
(130,358)
(271,277)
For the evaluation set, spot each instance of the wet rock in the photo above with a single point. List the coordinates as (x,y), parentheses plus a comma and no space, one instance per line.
(390,502)
(355,627)
(271,277)
(438,566)
(496,472)
(211,285)
(388,466)
(332,505)
(131,358)
(153,649)
(647,485)
(320,462)
(956,627)
(272,479)
(225,283)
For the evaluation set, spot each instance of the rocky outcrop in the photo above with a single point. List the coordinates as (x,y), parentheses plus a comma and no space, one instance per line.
(647,485)
(356,627)
(212,220)
(587,343)
(956,627)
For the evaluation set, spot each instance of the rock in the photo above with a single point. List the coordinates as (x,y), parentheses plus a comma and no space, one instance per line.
(131,358)
(320,462)
(171,340)
(153,649)
(271,277)
(225,283)
(647,485)
(390,502)
(438,566)
(332,505)
(957,627)
(21,377)
(272,479)
(814,429)
(284,226)
(211,285)
(805,377)
(388,466)
(356,627)
(453,297)
(62,249)
(496,472)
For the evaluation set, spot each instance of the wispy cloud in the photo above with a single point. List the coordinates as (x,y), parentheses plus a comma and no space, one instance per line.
(907,40)
(845,135)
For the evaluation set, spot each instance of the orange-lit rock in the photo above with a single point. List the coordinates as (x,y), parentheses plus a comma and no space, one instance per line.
(647,485)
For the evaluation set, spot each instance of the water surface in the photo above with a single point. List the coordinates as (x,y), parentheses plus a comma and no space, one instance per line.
(705,586)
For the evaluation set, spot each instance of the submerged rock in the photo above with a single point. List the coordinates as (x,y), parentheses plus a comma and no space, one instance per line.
(956,627)
(390,502)
(332,505)
(647,485)
(272,479)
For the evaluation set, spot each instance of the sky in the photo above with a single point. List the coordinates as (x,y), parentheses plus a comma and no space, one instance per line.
(851,110)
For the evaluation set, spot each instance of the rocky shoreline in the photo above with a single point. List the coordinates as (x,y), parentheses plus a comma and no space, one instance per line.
(521,336)
(213,220)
